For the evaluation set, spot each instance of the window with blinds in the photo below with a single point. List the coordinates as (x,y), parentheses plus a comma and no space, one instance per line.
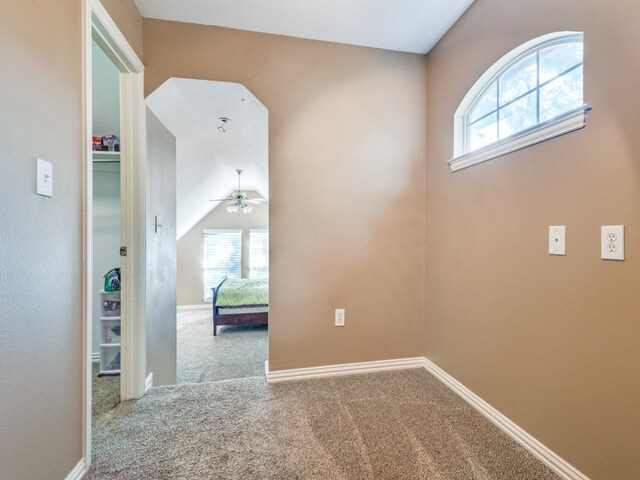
(222,257)
(259,254)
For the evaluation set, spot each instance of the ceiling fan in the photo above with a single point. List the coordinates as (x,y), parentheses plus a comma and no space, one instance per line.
(238,200)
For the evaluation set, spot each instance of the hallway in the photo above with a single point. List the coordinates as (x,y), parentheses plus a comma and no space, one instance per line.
(391,425)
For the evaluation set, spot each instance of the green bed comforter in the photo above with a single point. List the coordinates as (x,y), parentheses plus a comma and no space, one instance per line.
(236,292)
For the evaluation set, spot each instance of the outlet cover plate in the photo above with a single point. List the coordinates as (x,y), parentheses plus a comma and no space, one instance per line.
(612,242)
(557,240)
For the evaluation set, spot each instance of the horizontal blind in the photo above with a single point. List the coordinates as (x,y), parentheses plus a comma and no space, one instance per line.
(259,254)
(222,257)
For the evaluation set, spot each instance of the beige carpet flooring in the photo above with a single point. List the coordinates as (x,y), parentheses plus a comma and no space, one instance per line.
(236,352)
(389,425)
(105,395)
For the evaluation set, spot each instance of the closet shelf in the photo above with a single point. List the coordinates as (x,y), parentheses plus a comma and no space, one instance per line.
(104,156)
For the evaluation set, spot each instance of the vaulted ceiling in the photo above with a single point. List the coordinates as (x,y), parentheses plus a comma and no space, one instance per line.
(206,157)
(404,25)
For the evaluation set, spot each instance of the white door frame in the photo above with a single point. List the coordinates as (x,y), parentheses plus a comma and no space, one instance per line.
(98,25)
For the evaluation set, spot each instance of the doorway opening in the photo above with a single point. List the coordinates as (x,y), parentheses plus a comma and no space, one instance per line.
(106,234)
(222,227)
(123,339)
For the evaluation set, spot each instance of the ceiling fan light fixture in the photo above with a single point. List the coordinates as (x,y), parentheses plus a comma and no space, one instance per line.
(239,201)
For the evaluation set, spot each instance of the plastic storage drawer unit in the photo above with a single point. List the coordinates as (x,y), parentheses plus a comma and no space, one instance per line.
(110,303)
(110,333)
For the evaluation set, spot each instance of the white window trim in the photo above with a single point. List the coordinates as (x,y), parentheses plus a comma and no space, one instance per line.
(568,122)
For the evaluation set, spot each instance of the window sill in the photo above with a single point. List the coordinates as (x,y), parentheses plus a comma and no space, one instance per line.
(569,122)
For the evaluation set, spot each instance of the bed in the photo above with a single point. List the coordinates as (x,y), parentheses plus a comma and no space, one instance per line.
(240,302)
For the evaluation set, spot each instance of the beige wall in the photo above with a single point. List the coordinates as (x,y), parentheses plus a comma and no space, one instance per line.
(346,123)
(127,17)
(191,247)
(40,241)
(552,342)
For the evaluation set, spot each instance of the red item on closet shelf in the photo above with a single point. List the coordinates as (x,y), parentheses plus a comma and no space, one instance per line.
(96,142)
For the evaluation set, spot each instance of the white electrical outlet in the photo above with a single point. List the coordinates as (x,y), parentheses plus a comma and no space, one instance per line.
(612,242)
(339,317)
(557,236)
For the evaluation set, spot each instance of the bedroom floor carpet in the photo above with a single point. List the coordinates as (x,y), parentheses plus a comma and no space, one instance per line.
(236,352)
(388,425)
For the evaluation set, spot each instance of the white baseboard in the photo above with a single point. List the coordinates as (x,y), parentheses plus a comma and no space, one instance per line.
(148,383)
(344,369)
(204,306)
(542,453)
(78,472)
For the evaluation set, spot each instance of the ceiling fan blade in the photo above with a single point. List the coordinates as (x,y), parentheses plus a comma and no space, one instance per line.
(255,200)
(220,199)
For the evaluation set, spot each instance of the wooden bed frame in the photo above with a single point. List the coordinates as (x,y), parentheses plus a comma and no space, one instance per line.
(234,318)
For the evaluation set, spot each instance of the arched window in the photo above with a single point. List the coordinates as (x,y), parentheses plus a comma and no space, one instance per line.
(533,93)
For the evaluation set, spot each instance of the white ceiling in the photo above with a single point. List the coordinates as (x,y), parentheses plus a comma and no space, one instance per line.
(206,158)
(405,25)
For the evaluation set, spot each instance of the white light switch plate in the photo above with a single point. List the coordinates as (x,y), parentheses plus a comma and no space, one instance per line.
(44,178)
(612,242)
(339,317)
(557,240)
